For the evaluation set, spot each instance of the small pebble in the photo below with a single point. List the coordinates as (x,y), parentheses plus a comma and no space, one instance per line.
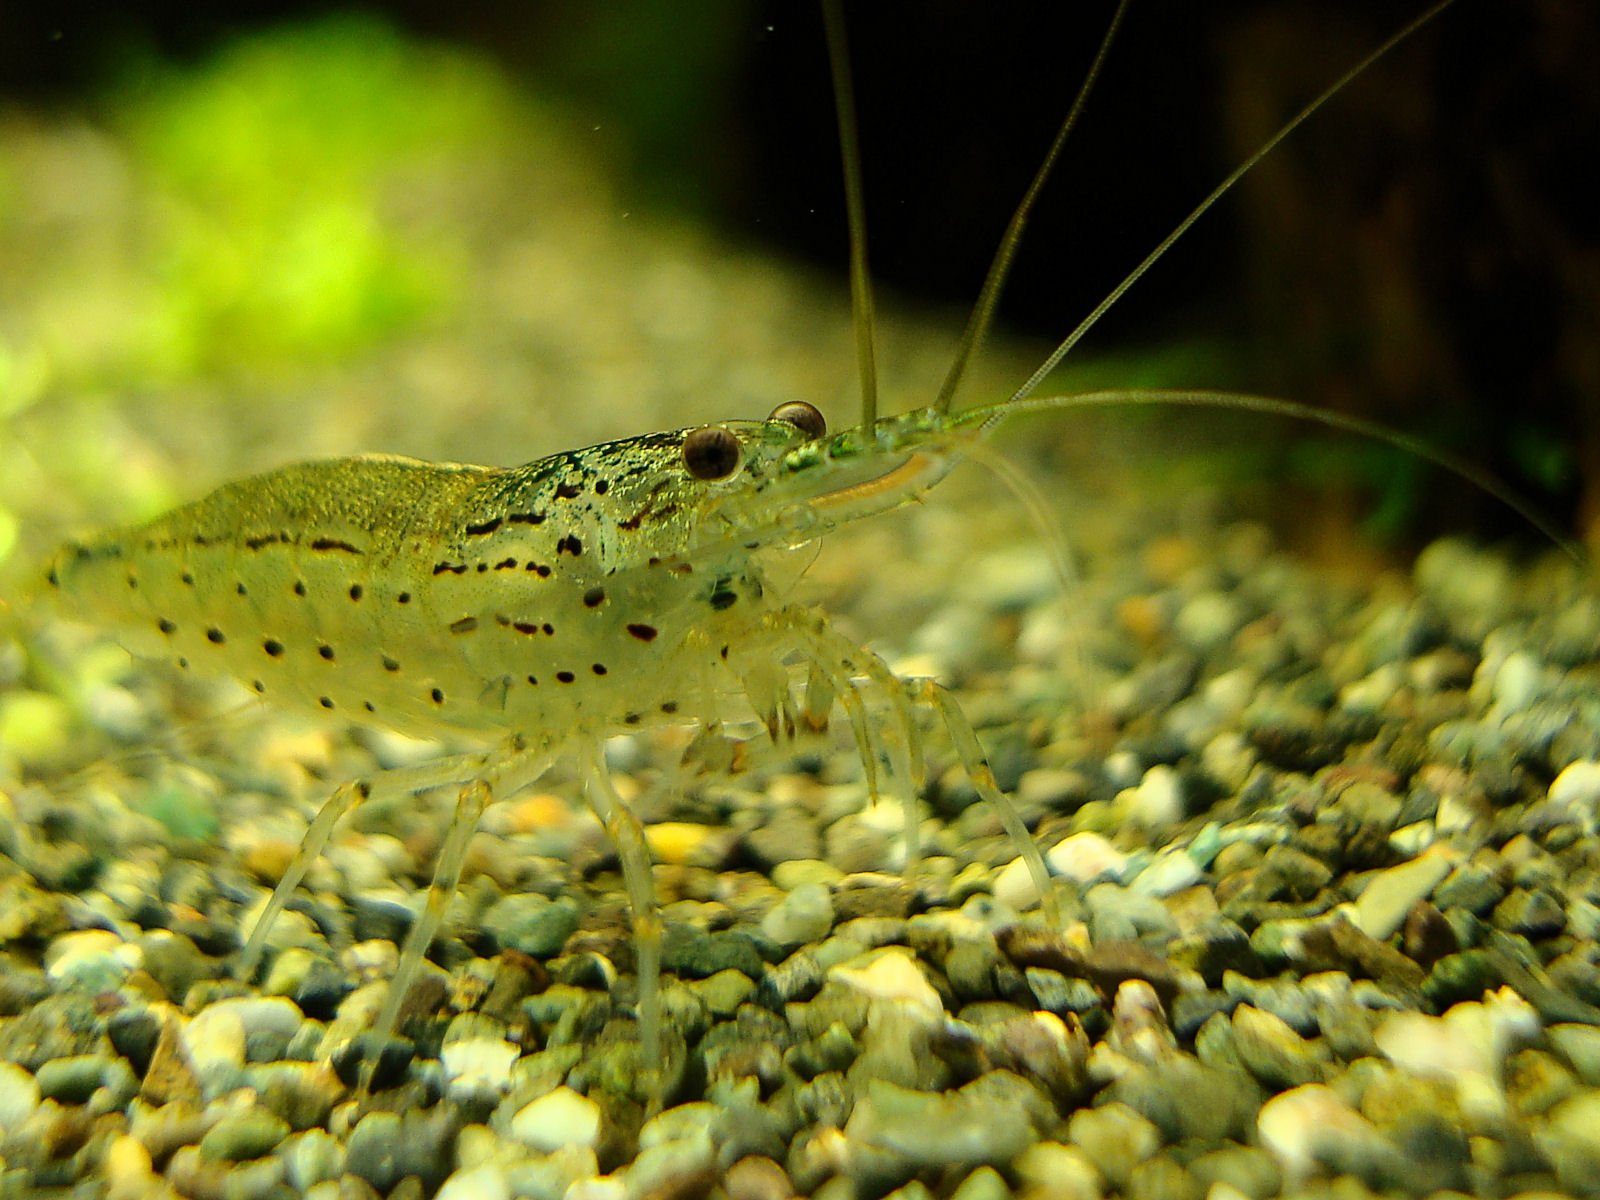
(558,1119)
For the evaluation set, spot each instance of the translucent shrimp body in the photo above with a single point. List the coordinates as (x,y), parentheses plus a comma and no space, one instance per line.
(547,606)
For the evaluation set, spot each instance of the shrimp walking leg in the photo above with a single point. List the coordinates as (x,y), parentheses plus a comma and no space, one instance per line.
(345,800)
(973,762)
(633,853)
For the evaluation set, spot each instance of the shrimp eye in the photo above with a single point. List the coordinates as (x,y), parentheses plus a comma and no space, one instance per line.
(802,416)
(711,453)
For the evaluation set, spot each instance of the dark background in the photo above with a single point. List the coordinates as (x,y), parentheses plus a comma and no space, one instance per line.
(1424,252)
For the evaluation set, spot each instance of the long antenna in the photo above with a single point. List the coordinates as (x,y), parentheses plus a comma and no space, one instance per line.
(844,107)
(1133,277)
(989,296)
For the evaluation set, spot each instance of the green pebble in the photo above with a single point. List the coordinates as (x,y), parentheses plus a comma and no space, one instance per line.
(248,1135)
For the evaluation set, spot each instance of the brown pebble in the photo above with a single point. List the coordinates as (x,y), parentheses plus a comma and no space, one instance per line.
(267,860)
(1426,936)
(170,1076)
(756,1178)
(1143,617)
(1166,559)
(1106,966)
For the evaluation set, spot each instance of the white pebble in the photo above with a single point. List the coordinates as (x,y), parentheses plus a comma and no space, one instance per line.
(1381,908)
(1085,857)
(1229,758)
(804,915)
(1301,1126)
(262,1014)
(214,1038)
(373,959)
(1578,785)
(891,975)
(1460,813)
(1208,620)
(1013,886)
(601,1187)
(1171,872)
(91,957)
(487,1182)
(19,1095)
(1517,683)
(477,1065)
(680,1122)
(1158,800)
(1371,693)
(1467,1046)
(558,1118)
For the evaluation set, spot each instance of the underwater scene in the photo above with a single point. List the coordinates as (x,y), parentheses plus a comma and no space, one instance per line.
(486,710)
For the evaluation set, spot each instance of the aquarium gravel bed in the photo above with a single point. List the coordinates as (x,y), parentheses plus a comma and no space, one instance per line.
(1328,854)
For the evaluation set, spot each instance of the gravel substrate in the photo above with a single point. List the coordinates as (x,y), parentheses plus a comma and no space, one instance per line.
(1328,855)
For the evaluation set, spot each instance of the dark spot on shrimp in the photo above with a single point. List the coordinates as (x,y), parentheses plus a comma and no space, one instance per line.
(403,598)
(485,527)
(389,664)
(722,598)
(326,651)
(632,718)
(506,564)
(133,580)
(260,540)
(482,567)
(594,597)
(725,653)
(570,545)
(602,486)
(533,681)
(644,633)
(183,663)
(527,627)
(598,668)
(273,647)
(439,568)
(188,578)
(539,569)
(669,707)
(525,518)
(464,625)
(355,591)
(299,587)
(258,686)
(240,589)
(325,701)
(549,629)
(568,491)
(438,696)
(215,636)
(565,676)
(53,578)
(167,627)
(368,705)
(324,543)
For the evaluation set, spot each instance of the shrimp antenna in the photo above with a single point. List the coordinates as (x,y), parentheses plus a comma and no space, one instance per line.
(1222,189)
(989,296)
(844,107)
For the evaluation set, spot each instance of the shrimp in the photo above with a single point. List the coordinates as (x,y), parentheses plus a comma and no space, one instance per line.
(539,610)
